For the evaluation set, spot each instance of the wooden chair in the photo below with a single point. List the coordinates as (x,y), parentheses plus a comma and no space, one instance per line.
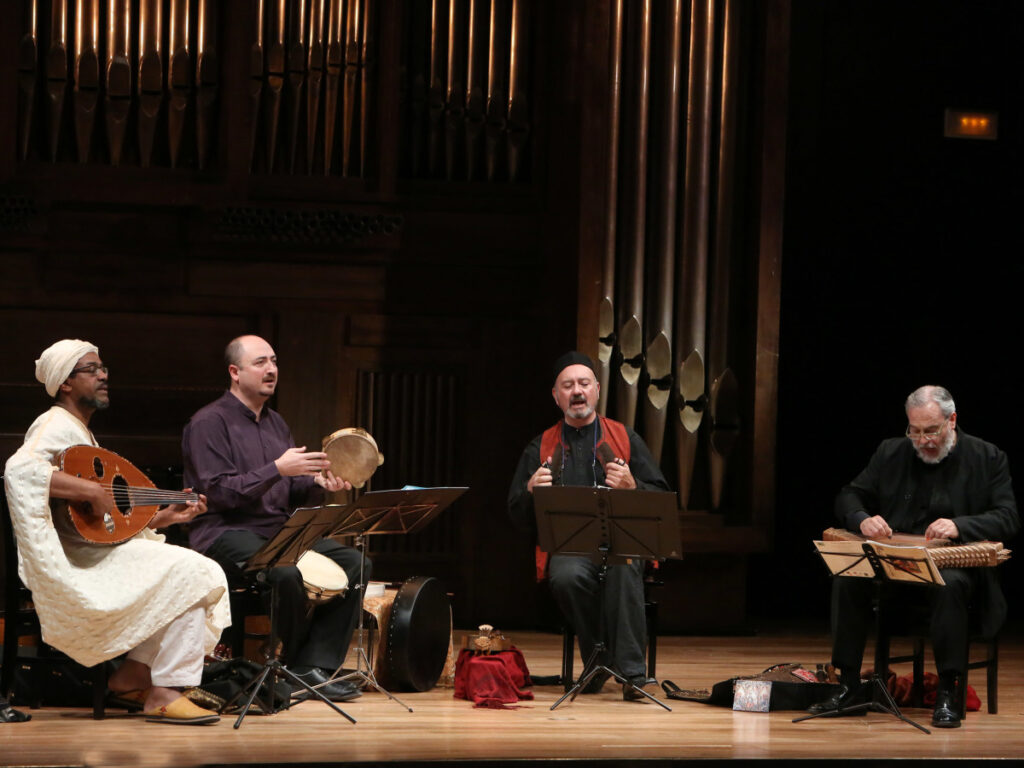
(918,634)
(20,620)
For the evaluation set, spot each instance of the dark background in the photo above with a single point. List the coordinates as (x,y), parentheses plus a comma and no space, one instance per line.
(902,261)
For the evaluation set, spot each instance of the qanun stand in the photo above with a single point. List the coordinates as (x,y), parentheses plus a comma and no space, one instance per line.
(594,666)
(874,689)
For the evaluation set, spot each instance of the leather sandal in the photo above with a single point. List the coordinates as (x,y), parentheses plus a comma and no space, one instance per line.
(181,711)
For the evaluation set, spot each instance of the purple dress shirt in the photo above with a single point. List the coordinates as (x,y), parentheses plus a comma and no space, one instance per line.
(229,456)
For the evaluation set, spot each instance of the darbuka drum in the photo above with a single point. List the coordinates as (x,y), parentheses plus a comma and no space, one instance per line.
(353,455)
(323,578)
(419,632)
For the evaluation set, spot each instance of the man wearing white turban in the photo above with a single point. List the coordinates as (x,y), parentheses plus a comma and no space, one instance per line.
(165,606)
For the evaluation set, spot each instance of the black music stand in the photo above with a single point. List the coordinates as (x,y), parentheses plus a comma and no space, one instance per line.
(303,529)
(397,511)
(606,525)
(881,563)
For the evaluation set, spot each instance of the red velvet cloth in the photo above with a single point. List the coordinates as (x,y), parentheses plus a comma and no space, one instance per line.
(901,689)
(492,679)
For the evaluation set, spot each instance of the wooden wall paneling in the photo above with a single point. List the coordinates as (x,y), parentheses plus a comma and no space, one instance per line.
(308,344)
(163,367)
(775,22)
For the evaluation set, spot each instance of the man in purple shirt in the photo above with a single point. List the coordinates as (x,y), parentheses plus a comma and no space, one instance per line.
(240,453)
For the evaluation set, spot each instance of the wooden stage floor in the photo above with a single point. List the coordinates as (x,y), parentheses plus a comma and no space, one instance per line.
(595,729)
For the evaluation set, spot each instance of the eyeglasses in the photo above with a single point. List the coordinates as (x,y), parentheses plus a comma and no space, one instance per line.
(926,434)
(92,369)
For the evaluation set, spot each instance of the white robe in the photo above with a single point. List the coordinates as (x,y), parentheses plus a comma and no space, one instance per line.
(96,602)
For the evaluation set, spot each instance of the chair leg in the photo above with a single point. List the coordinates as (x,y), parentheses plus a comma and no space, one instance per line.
(992,676)
(917,689)
(99,690)
(568,651)
(651,616)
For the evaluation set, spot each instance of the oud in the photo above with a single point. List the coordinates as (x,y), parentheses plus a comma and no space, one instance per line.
(136,499)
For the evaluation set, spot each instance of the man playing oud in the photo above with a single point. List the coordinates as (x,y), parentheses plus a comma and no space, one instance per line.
(165,606)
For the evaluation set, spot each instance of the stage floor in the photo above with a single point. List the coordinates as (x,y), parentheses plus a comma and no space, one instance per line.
(593,728)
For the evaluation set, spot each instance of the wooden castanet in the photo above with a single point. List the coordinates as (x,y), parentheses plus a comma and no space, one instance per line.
(136,498)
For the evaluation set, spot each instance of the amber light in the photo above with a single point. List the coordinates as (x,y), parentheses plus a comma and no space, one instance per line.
(971,125)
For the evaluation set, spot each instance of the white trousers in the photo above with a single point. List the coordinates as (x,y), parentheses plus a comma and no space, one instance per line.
(175,653)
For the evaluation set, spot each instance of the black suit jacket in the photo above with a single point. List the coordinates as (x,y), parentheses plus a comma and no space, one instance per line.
(971,486)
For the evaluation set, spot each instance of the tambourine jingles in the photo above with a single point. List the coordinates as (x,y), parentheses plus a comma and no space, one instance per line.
(322,577)
(419,632)
(353,455)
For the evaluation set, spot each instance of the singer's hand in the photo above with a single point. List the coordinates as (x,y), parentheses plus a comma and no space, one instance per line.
(541,477)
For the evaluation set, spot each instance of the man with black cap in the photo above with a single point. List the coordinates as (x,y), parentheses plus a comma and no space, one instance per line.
(586,449)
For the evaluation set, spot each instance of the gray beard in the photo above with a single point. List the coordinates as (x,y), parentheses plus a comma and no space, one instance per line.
(947,445)
(95,402)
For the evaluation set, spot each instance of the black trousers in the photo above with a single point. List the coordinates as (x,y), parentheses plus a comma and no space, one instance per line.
(574,583)
(947,608)
(310,638)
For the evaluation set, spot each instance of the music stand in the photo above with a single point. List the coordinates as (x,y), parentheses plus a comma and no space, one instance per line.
(606,525)
(295,537)
(379,512)
(881,563)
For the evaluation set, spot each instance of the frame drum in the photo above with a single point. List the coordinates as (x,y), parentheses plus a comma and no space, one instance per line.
(353,455)
(323,578)
(419,632)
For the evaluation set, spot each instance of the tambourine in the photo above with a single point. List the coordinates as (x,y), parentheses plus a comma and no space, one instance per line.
(353,455)
(323,578)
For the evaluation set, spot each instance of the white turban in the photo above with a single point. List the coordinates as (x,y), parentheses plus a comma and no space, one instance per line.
(57,361)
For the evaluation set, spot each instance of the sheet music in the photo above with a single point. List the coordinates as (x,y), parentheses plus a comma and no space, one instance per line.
(845,558)
(913,564)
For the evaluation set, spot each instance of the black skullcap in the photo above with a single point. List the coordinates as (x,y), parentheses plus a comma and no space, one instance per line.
(573,358)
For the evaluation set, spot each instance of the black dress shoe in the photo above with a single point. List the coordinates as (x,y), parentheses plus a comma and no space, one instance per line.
(843,698)
(339,690)
(596,683)
(946,713)
(630,690)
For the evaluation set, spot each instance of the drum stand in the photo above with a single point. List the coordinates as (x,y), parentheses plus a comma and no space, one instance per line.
(363,671)
(593,665)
